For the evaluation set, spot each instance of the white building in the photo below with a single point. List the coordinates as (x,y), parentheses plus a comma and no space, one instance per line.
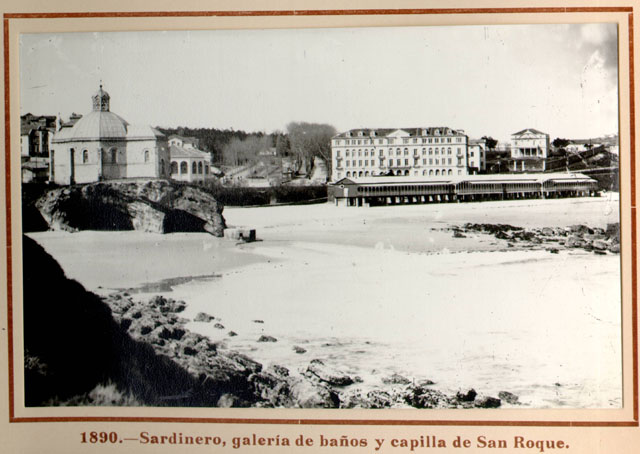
(477,151)
(430,152)
(101,146)
(187,162)
(529,150)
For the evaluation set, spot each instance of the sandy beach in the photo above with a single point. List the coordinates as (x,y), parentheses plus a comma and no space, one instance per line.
(388,290)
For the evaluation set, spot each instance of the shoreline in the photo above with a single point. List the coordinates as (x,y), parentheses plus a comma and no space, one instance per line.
(433,243)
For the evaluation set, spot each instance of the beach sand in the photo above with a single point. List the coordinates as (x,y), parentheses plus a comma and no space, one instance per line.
(377,291)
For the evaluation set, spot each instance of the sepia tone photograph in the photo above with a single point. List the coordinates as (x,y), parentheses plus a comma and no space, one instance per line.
(417,217)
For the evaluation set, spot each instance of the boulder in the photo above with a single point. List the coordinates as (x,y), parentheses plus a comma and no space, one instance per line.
(469,396)
(580,229)
(488,402)
(327,374)
(574,241)
(149,205)
(396,379)
(265,338)
(307,394)
(508,397)
(203,317)
(420,397)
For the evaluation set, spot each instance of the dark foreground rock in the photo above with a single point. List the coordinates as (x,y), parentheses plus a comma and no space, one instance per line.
(160,206)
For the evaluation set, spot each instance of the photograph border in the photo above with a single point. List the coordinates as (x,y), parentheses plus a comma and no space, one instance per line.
(9,17)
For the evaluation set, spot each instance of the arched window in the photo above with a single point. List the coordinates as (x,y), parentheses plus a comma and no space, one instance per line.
(360,173)
(424,173)
(206,169)
(184,168)
(200,167)
(437,172)
(406,173)
(366,174)
(85,156)
(114,155)
(162,169)
(146,155)
(174,167)
(348,174)
(194,167)
(450,172)
(431,172)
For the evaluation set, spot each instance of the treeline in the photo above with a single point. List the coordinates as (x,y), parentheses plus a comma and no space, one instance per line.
(213,140)
(302,141)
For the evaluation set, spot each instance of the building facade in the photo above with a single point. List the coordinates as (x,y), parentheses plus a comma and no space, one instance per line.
(429,152)
(103,146)
(477,152)
(529,150)
(187,162)
(36,133)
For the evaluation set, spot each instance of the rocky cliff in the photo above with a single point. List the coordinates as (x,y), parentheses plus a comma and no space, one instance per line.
(159,206)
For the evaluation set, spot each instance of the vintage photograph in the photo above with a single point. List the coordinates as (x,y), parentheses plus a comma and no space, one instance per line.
(390,217)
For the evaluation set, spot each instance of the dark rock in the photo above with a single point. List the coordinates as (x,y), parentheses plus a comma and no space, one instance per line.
(299,350)
(508,397)
(218,326)
(547,231)
(420,397)
(553,250)
(202,317)
(468,397)
(232,334)
(258,321)
(488,402)
(580,229)
(327,374)
(600,245)
(265,338)
(574,241)
(457,234)
(396,379)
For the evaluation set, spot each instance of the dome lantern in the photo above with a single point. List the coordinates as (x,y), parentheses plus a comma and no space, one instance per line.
(101,100)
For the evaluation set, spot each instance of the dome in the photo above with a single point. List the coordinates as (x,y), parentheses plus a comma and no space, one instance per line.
(96,125)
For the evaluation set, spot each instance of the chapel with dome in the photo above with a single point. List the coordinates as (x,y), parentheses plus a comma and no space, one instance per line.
(103,146)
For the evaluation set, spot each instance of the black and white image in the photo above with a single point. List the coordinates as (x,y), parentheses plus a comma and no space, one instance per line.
(392,217)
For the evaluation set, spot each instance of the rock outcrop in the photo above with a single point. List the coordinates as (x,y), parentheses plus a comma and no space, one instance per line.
(578,236)
(160,206)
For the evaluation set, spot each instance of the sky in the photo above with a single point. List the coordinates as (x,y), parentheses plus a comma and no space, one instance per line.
(487,80)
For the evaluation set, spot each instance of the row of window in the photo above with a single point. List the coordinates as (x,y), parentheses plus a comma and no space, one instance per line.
(196,168)
(366,152)
(338,142)
(416,162)
(110,156)
(399,172)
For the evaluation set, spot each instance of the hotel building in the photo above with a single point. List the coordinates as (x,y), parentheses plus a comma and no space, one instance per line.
(529,150)
(424,152)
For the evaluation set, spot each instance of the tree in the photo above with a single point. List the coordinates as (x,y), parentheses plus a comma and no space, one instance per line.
(560,143)
(239,152)
(308,140)
(490,141)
